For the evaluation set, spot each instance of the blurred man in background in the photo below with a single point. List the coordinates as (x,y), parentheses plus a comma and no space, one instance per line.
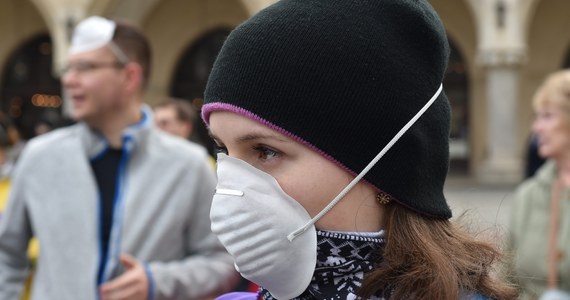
(120,208)
(175,116)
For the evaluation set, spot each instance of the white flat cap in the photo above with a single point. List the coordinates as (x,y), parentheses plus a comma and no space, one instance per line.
(92,33)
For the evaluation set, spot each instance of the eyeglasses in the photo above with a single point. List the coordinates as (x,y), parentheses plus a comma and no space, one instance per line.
(88,66)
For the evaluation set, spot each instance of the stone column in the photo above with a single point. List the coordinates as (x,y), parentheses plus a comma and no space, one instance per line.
(502,162)
(501,52)
(61,16)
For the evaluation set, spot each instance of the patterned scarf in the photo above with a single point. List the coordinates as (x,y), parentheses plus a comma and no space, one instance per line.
(342,261)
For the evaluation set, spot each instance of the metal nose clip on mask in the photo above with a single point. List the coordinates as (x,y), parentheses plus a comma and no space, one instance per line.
(265,230)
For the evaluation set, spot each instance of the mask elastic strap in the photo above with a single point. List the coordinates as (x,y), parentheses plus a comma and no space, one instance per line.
(345,191)
(119,53)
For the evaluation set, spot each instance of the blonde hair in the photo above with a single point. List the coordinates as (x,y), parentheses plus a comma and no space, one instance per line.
(555,90)
(433,259)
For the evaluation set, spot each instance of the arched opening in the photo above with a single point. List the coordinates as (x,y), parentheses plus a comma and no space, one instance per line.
(191,76)
(456,85)
(30,92)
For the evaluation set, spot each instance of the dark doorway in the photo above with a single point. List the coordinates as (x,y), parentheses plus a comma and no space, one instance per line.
(192,73)
(30,92)
(456,85)
(566,64)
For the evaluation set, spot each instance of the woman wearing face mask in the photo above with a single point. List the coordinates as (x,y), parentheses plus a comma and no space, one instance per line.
(334,131)
(539,230)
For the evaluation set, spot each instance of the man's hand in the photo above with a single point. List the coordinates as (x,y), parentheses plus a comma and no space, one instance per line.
(131,285)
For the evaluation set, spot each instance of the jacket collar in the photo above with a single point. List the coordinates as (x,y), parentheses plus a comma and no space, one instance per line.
(547,173)
(95,143)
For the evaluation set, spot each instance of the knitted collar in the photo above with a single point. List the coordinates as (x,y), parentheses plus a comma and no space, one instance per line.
(342,261)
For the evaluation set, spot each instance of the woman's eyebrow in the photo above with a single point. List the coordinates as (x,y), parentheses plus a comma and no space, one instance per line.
(251,137)
(258,136)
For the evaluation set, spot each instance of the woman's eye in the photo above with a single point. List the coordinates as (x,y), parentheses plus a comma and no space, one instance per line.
(265,153)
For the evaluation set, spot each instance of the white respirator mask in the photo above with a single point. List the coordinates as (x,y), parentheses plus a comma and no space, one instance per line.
(252,216)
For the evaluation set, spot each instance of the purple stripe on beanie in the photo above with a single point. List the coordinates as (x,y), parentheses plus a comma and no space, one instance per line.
(207,109)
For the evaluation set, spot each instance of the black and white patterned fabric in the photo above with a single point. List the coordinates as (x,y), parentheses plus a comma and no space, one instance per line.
(342,260)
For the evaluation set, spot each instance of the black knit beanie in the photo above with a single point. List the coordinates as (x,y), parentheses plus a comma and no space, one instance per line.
(343,77)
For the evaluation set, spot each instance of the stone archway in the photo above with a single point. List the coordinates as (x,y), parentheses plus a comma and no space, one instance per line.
(13,31)
(194,66)
(30,92)
(547,48)
(174,24)
(133,10)
(253,6)
(26,66)
(191,76)
(548,51)
(456,84)
(566,64)
(464,84)
(137,10)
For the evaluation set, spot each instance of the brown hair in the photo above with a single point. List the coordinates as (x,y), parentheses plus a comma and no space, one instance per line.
(184,110)
(135,45)
(432,259)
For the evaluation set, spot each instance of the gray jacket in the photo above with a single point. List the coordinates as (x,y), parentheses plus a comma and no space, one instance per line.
(161,216)
(529,231)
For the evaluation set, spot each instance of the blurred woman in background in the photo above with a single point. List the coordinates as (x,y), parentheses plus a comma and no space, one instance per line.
(540,215)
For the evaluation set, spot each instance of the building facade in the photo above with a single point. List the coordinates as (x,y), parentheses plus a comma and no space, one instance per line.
(501,52)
